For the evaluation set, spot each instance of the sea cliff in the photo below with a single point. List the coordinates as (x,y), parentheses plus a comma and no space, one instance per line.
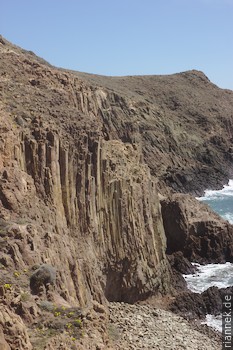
(88,170)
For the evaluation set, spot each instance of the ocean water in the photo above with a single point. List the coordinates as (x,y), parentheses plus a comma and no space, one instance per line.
(219,275)
(221,201)
(206,276)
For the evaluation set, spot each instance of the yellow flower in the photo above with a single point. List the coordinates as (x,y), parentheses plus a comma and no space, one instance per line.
(16,274)
(69,325)
(78,322)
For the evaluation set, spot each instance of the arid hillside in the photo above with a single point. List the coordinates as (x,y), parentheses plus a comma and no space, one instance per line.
(182,122)
(84,160)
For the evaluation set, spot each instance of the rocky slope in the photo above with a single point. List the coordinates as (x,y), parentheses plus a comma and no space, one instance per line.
(82,158)
(144,327)
(183,121)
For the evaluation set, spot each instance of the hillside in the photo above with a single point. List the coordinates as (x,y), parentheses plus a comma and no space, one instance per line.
(183,122)
(84,160)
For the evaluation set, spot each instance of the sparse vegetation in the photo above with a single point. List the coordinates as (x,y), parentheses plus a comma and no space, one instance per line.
(25,296)
(16,274)
(57,313)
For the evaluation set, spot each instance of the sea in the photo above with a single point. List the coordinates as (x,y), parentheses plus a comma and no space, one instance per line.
(220,275)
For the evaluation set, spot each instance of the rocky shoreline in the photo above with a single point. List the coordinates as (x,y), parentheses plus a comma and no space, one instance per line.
(93,172)
(145,327)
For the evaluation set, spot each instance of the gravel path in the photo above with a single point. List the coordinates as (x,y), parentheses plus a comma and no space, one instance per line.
(145,327)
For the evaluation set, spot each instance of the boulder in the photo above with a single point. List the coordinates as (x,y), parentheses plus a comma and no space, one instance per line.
(192,228)
(195,305)
(43,276)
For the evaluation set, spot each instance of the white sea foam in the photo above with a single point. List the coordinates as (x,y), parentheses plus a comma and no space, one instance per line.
(221,201)
(227,190)
(219,275)
(214,322)
(228,217)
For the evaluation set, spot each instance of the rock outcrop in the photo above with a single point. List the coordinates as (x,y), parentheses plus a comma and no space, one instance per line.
(3,344)
(82,158)
(194,305)
(195,230)
(14,329)
(155,112)
(71,196)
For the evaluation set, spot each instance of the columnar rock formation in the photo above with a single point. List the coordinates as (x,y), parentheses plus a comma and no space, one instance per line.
(98,195)
(82,158)
(74,198)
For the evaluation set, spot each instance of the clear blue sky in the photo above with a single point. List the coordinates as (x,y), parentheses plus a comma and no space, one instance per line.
(126,37)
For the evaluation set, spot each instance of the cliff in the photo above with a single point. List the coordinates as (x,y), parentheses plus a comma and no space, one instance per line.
(195,230)
(72,197)
(182,122)
(82,159)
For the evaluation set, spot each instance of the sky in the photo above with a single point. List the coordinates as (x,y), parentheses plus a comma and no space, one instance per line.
(126,37)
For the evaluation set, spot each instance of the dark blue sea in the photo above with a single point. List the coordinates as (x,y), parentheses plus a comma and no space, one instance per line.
(220,275)
(221,201)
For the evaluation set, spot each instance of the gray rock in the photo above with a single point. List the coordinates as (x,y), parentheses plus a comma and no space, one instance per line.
(45,275)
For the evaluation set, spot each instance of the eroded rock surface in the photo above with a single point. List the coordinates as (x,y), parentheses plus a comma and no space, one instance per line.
(195,230)
(72,197)
(198,305)
(81,160)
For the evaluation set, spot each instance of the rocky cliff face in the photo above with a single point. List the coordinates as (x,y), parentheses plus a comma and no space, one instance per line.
(182,122)
(97,196)
(81,160)
(73,195)
(195,230)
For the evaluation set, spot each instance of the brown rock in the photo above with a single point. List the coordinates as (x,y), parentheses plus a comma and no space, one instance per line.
(179,265)
(14,329)
(190,305)
(194,305)
(3,343)
(80,159)
(194,229)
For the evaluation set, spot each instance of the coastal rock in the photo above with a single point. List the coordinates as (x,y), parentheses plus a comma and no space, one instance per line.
(179,265)
(82,158)
(192,228)
(197,305)
(213,298)
(189,305)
